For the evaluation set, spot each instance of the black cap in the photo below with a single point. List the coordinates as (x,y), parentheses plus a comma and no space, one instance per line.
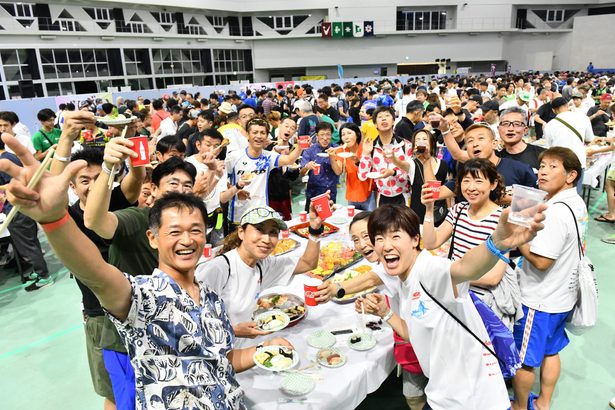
(476,98)
(558,102)
(490,105)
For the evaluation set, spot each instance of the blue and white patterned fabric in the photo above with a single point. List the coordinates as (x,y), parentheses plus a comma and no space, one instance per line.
(179,349)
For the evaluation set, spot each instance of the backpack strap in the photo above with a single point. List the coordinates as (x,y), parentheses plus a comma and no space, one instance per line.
(571,128)
(463,325)
(576,225)
(260,271)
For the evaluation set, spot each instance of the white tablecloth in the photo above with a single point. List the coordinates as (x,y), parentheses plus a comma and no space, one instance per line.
(341,388)
(590,177)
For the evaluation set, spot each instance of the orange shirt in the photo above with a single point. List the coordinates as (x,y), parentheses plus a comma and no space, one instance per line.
(157,118)
(356,190)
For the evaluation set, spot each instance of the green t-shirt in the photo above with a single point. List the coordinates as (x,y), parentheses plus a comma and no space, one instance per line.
(130,251)
(335,137)
(43,140)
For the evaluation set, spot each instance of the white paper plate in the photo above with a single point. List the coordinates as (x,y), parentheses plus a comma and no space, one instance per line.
(323,360)
(116,121)
(337,220)
(275,350)
(345,154)
(374,175)
(368,341)
(323,155)
(297,384)
(321,339)
(283,317)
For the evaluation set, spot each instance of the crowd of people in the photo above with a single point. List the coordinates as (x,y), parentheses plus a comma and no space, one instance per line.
(426,162)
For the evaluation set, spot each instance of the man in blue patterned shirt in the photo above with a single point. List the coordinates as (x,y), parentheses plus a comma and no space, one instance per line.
(321,155)
(175,329)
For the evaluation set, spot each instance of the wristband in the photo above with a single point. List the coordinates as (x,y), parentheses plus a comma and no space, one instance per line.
(428,219)
(52,226)
(106,169)
(238,187)
(314,238)
(495,251)
(446,132)
(61,158)
(316,232)
(388,316)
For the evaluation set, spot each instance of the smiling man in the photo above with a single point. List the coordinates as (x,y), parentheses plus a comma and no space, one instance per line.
(176,330)
(512,129)
(248,170)
(548,280)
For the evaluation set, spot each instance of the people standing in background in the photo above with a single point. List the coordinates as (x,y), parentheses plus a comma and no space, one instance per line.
(319,162)
(47,136)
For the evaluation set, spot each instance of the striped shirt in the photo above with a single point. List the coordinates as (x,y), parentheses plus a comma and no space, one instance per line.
(469,232)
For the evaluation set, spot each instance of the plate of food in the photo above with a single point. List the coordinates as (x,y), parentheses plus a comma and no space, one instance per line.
(345,154)
(361,341)
(321,339)
(275,358)
(292,305)
(349,274)
(272,320)
(297,384)
(117,119)
(302,229)
(334,257)
(330,358)
(323,155)
(285,246)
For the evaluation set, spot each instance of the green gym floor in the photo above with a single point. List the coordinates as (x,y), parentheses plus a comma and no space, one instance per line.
(43,362)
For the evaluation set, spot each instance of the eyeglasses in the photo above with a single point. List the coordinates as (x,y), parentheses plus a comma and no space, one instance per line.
(516,124)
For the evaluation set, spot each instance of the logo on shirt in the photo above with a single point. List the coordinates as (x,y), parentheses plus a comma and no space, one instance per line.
(416,295)
(420,311)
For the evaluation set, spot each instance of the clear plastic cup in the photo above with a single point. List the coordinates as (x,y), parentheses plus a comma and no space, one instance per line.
(524,205)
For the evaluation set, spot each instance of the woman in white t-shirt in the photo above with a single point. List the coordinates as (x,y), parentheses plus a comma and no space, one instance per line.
(246,267)
(462,373)
(473,221)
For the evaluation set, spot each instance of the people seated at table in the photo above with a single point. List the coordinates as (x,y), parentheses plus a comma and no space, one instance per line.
(470,223)
(246,267)
(164,349)
(446,351)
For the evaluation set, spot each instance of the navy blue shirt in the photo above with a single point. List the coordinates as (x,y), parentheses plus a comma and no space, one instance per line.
(512,172)
(307,125)
(327,178)
(6,178)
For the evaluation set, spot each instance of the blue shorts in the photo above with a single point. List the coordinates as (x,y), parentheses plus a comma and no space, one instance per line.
(122,378)
(540,334)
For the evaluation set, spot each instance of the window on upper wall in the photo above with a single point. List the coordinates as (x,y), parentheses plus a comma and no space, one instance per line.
(283,22)
(218,21)
(555,16)
(412,20)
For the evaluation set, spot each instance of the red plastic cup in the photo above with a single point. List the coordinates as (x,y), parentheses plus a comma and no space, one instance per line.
(303,216)
(351,209)
(86,135)
(316,169)
(321,203)
(141,147)
(285,234)
(304,141)
(207,250)
(435,188)
(310,287)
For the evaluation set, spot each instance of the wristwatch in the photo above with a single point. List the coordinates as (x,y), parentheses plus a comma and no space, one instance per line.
(341,292)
